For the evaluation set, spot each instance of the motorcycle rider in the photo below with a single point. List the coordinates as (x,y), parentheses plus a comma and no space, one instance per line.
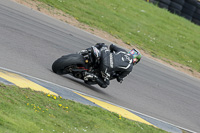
(115,60)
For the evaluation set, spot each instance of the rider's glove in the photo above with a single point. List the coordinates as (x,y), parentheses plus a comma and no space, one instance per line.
(119,79)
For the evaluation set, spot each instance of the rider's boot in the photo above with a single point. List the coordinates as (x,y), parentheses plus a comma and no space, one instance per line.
(91,77)
(101,83)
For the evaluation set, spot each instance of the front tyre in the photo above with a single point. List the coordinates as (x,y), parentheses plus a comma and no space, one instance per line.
(60,65)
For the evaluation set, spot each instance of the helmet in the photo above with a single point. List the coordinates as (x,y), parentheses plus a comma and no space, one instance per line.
(136,55)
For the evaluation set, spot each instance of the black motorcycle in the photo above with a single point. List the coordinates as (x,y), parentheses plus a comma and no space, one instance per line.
(81,65)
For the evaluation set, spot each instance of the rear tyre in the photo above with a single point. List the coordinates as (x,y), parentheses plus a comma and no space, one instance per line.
(60,65)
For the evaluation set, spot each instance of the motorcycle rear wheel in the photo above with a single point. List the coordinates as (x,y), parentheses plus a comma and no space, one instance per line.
(62,65)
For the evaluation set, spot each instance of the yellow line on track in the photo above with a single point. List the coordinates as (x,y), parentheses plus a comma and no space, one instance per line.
(23,82)
(123,112)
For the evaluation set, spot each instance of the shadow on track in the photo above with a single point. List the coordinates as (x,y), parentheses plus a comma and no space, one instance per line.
(93,88)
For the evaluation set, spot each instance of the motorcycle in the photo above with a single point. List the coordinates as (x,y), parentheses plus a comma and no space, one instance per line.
(81,65)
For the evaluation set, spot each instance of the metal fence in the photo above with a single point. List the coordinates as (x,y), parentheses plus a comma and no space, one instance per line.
(189,9)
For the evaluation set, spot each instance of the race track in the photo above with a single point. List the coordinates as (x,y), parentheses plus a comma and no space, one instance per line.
(30,42)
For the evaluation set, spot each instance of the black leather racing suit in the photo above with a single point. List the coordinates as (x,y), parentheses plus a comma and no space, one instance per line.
(116,59)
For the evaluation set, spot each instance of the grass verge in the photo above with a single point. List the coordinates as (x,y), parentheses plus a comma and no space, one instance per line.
(163,35)
(24,110)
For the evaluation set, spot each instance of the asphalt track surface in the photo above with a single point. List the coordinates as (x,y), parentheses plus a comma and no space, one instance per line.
(30,42)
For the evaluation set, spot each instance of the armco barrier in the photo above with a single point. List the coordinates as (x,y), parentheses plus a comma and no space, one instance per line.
(189,9)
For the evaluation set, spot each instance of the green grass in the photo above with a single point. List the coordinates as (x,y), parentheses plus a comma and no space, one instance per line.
(156,31)
(27,111)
